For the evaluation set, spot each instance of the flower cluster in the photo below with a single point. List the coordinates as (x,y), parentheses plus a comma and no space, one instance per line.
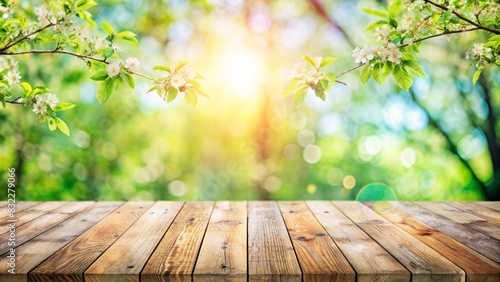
(480,54)
(310,78)
(390,53)
(13,75)
(131,64)
(45,16)
(43,102)
(180,80)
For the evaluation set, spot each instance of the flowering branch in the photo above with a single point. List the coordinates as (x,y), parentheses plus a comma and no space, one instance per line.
(21,39)
(479,26)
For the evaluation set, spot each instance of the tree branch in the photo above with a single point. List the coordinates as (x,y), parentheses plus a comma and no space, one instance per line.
(451,146)
(463,18)
(15,101)
(13,43)
(415,41)
(65,52)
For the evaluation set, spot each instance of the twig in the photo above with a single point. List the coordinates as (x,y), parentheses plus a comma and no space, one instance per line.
(25,37)
(15,101)
(464,18)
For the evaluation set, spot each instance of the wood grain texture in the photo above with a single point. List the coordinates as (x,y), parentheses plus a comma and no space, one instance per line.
(477,223)
(478,210)
(424,263)
(477,267)
(36,250)
(359,248)
(20,206)
(270,252)
(481,243)
(69,263)
(175,257)
(124,260)
(319,257)
(490,205)
(30,214)
(223,254)
(42,223)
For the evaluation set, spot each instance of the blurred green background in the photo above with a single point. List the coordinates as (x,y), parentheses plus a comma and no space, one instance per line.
(248,142)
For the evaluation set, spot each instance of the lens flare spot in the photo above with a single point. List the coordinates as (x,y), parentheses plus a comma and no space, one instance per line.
(380,193)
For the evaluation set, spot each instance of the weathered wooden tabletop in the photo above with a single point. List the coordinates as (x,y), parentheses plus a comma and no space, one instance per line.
(239,241)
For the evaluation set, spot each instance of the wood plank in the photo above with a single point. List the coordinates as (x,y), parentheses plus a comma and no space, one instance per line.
(223,253)
(477,267)
(124,260)
(271,256)
(36,250)
(481,243)
(43,223)
(359,248)
(319,257)
(3,204)
(69,263)
(31,213)
(478,210)
(477,223)
(490,205)
(424,263)
(175,256)
(20,206)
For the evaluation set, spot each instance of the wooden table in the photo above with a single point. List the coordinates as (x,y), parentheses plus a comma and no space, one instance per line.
(256,241)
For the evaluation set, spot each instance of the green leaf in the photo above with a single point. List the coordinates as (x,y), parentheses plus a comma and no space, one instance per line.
(63,107)
(85,4)
(86,16)
(393,22)
(395,7)
(62,126)
(128,79)
(309,60)
(100,75)
(365,74)
(181,64)
(403,78)
(327,61)
(108,28)
(128,36)
(107,52)
(27,88)
(376,12)
(52,123)
(105,89)
(331,78)
(376,24)
(300,96)
(191,98)
(172,94)
(477,74)
(413,68)
(379,75)
(408,56)
(163,68)
(153,88)
(291,88)
(40,90)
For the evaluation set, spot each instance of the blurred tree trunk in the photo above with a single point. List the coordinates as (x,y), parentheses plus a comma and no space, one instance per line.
(493,186)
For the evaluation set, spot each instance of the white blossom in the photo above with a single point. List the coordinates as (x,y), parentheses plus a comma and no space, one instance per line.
(314,77)
(13,77)
(382,32)
(40,108)
(51,100)
(298,70)
(393,54)
(113,69)
(132,64)
(177,81)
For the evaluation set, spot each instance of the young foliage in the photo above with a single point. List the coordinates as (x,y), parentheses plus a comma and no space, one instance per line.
(56,24)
